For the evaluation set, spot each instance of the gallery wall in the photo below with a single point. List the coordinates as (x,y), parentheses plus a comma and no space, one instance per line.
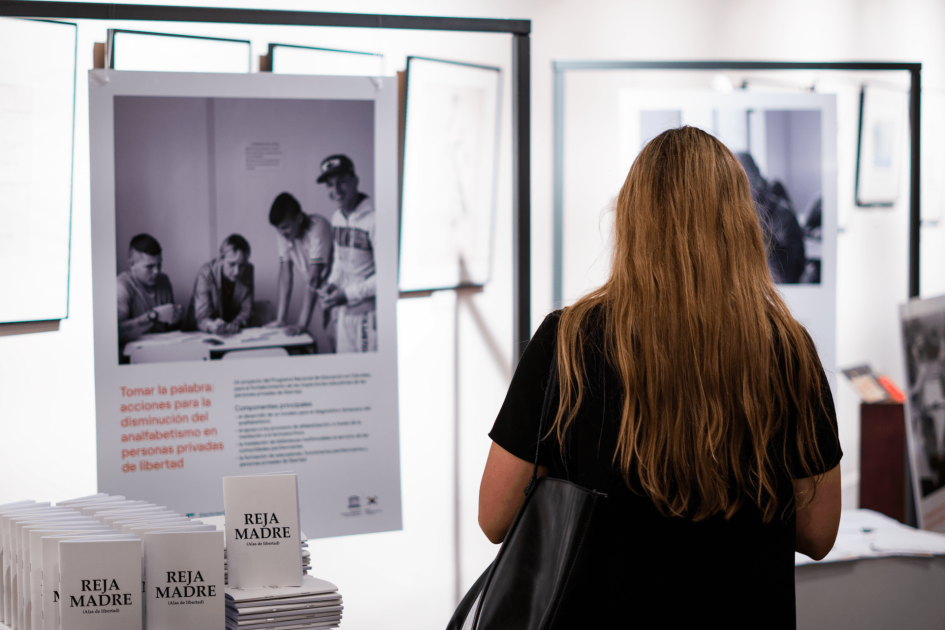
(408,579)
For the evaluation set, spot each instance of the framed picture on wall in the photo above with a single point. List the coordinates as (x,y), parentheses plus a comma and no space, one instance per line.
(923,344)
(880,146)
(37,116)
(292,59)
(448,197)
(172,52)
(787,144)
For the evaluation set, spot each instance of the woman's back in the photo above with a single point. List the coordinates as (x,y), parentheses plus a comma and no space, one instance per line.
(689,394)
(727,569)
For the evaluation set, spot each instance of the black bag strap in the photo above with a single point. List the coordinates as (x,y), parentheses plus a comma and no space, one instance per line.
(550,389)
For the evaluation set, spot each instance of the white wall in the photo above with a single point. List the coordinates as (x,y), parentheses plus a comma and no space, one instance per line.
(406,579)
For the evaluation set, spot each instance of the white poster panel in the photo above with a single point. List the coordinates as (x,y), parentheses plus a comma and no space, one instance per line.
(245,226)
(923,341)
(37,111)
(787,145)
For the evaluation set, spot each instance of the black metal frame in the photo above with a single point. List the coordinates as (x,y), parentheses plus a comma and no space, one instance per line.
(498,71)
(110,44)
(521,91)
(914,70)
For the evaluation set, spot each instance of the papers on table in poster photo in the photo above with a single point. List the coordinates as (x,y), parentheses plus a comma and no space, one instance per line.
(923,341)
(884,125)
(184,580)
(200,346)
(450,173)
(100,586)
(263,541)
(865,534)
(37,104)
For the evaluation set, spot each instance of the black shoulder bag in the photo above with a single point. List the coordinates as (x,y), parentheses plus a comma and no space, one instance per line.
(525,585)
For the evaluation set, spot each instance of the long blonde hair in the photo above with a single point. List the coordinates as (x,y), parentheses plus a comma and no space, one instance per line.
(708,356)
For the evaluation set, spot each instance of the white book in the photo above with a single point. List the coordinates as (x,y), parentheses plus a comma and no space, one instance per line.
(242,616)
(50,573)
(262,530)
(100,584)
(131,511)
(325,599)
(8,574)
(35,605)
(310,586)
(22,584)
(143,515)
(101,496)
(330,622)
(141,529)
(5,509)
(184,580)
(94,508)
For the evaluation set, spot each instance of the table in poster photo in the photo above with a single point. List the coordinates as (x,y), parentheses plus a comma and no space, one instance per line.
(201,346)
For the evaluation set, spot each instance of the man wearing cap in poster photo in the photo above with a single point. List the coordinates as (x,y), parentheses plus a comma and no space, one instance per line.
(351,286)
(305,243)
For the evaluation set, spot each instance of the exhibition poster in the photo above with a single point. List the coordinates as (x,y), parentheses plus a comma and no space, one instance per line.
(787,144)
(244,254)
(923,340)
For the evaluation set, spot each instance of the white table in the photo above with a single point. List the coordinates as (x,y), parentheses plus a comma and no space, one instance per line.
(874,578)
(201,346)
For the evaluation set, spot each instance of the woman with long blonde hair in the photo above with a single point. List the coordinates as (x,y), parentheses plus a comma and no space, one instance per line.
(690,395)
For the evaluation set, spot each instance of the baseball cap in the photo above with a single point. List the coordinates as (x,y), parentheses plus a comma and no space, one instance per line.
(335,165)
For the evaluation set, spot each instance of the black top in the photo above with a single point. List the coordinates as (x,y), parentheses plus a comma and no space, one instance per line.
(646,567)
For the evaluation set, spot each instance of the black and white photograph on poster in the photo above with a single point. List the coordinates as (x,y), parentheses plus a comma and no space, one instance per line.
(787,145)
(235,243)
(923,339)
(247,217)
(781,155)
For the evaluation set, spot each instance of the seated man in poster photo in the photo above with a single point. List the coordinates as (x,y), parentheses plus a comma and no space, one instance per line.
(223,292)
(304,243)
(145,297)
(351,286)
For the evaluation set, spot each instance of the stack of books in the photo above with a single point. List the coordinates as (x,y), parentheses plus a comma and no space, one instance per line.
(219,523)
(315,604)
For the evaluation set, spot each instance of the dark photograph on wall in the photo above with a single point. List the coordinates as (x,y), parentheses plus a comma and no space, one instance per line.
(780,151)
(923,332)
(244,227)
